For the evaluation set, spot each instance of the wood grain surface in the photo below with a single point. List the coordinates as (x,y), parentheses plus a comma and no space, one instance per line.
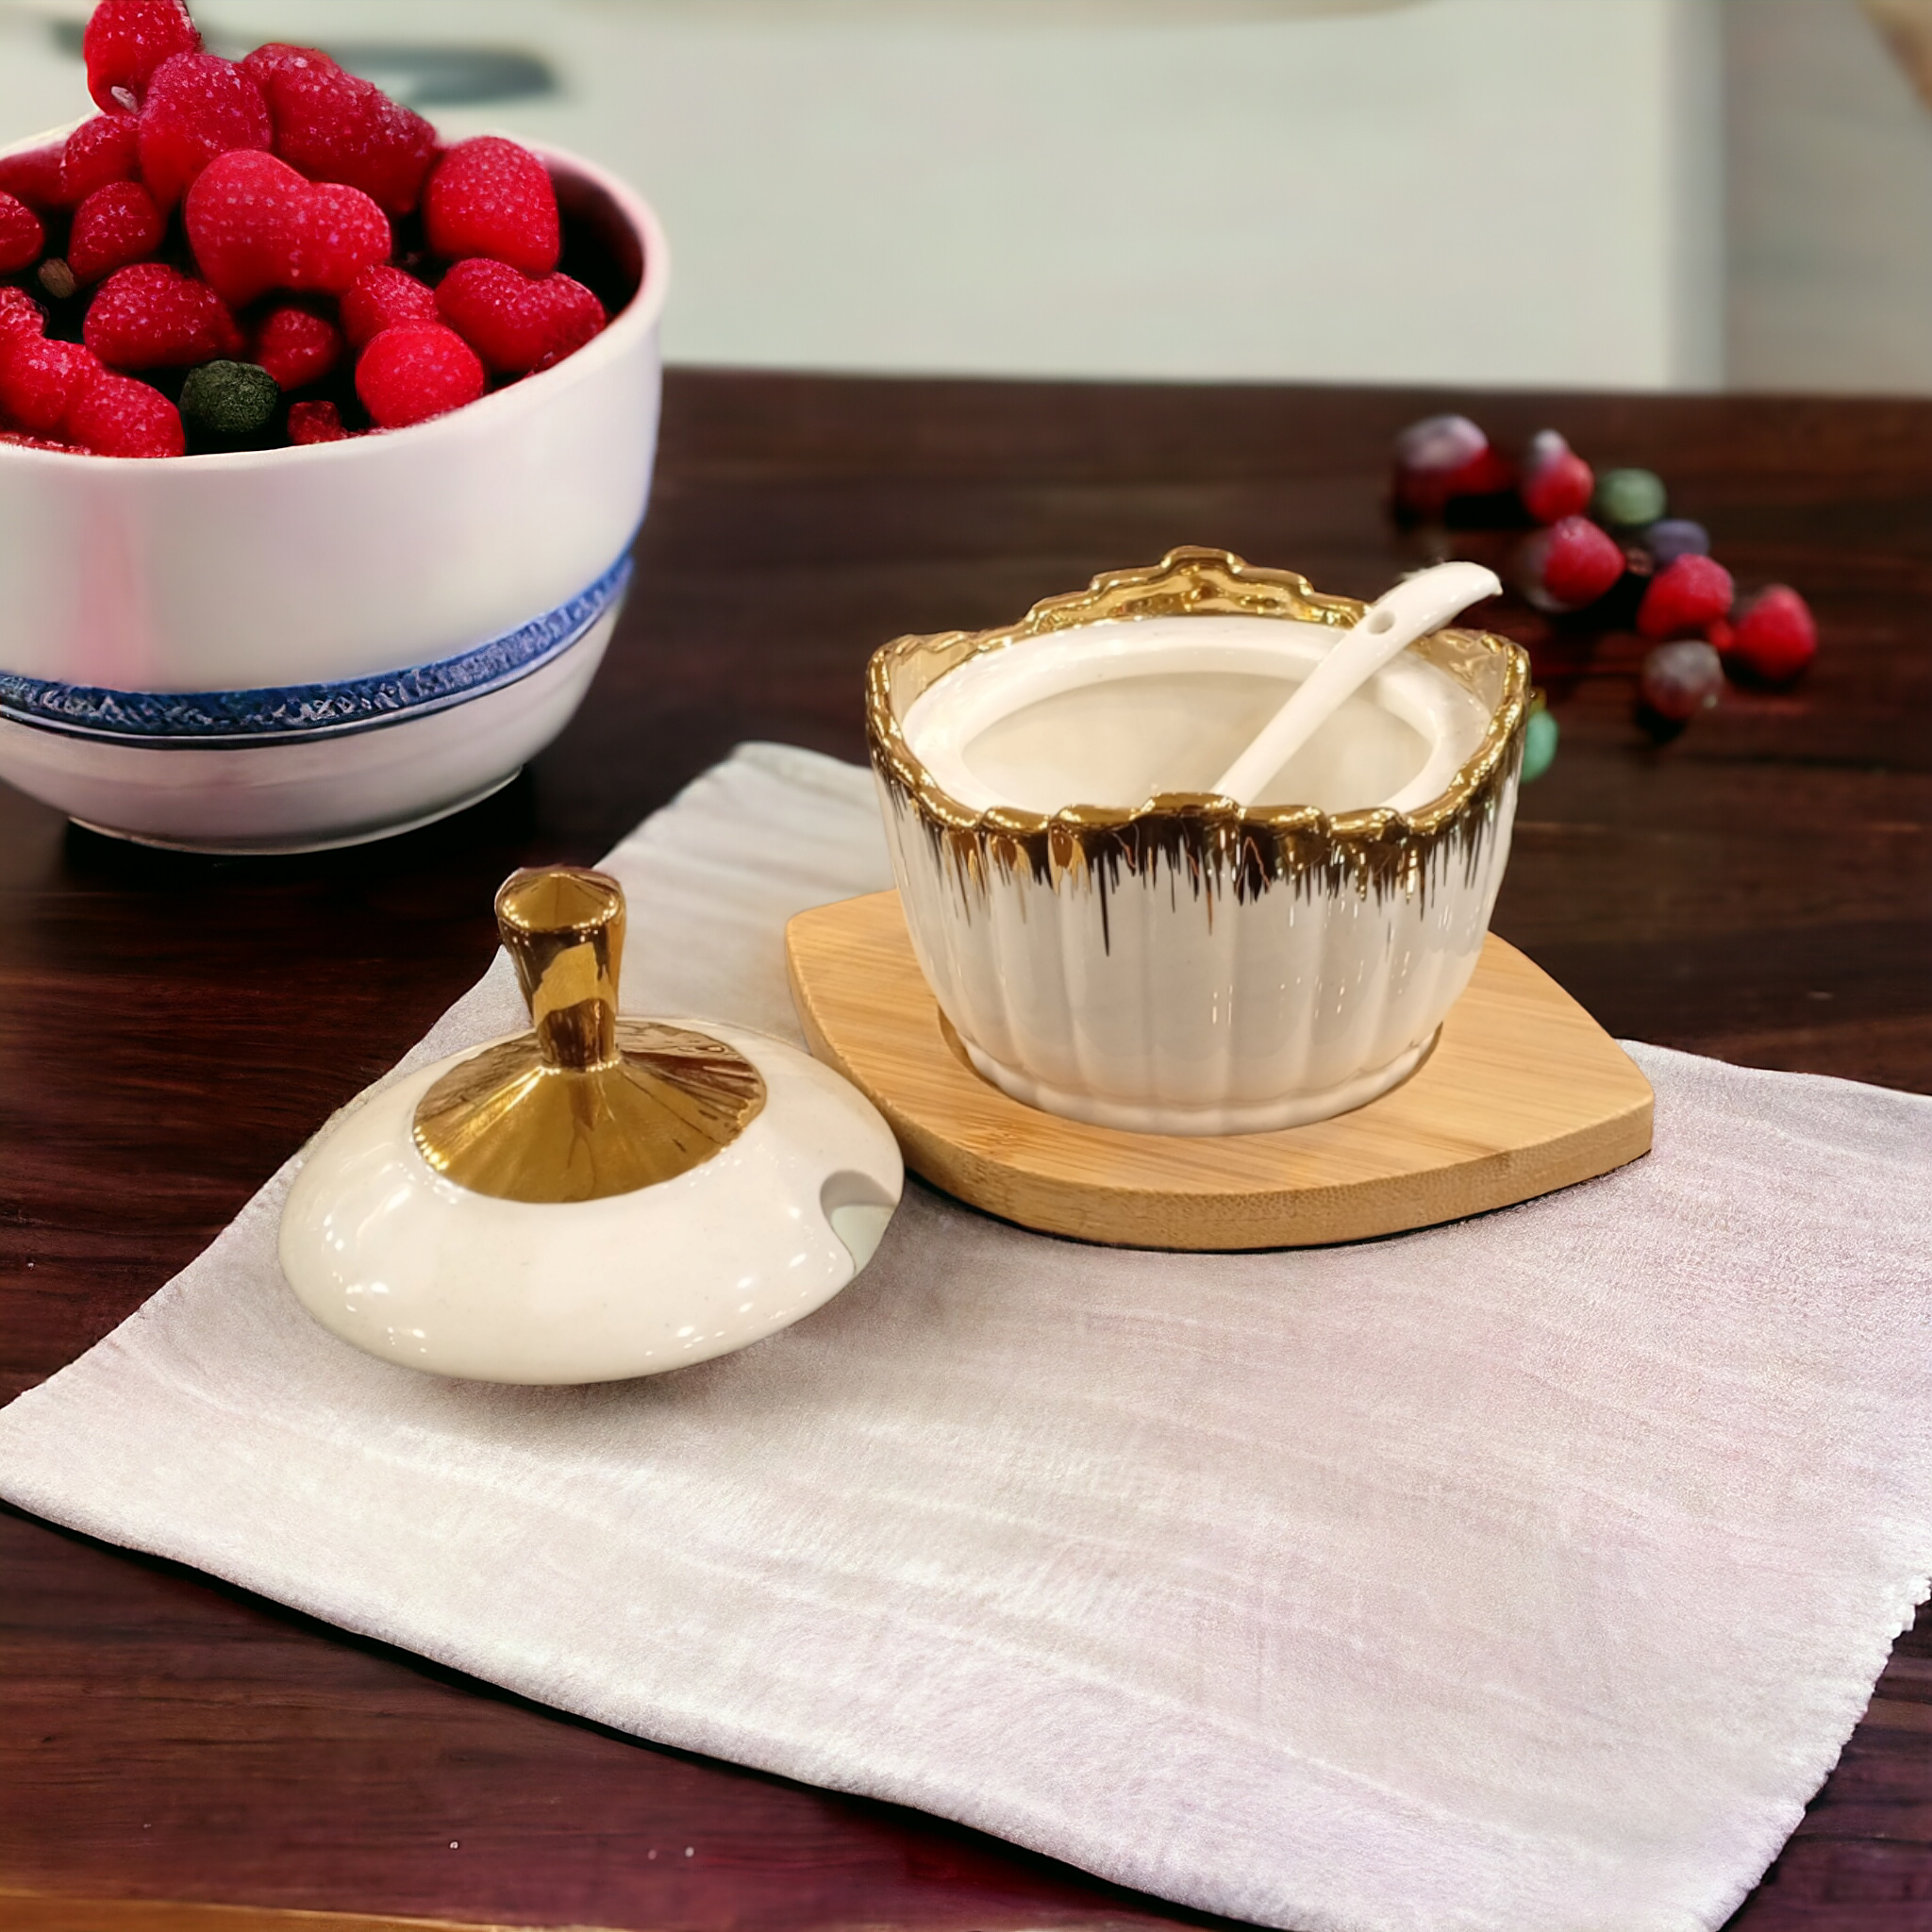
(1524,1092)
(171,1028)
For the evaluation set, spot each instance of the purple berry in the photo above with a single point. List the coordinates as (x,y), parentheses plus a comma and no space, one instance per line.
(1676,537)
(1681,679)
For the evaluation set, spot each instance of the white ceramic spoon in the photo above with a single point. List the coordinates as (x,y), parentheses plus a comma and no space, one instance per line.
(1414,607)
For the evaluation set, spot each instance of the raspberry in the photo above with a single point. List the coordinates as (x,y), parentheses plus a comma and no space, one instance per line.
(1685,596)
(382,298)
(117,416)
(1680,680)
(126,39)
(34,177)
(298,347)
(515,324)
(420,370)
(39,381)
(1775,635)
(488,196)
(20,442)
(152,316)
(197,107)
(255,225)
(1556,481)
(1442,457)
(108,148)
(22,238)
(20,315)
(113,226)
(315,423)
(1570,564)
(336,127)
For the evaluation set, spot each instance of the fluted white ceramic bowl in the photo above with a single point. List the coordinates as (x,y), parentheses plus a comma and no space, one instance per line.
(1184,966)
(290,648)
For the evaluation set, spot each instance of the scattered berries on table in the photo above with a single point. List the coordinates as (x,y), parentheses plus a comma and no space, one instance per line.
(1676,537)
(1570,564)
(1556,482)
(1538,745)
(22,236)
(1626,499)
(1443,459)
(1775,636)
(1681,679)
(517,323)
(1683,597)
(116,225)
(420,370)
(488,196)
(228,402)
(126,41)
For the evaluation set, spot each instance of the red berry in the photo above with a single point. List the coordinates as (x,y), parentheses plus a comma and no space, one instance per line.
(488,196)
(515,324)
(1571,563)
(1683,597)
(255,225)
(384,298)
(40,380)
(336,127)
(108,148)
(1776,636)
(1556,481)
(117,416)
(420,370)
(1679,680)
(152,316)
(22,238)
(298,347)
(315,423)
(20,315)
(34,177)
(126,39)
(113,226)
(197,107)
(1440,458)
(22,441)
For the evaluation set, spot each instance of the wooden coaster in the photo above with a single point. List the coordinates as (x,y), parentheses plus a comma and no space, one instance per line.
(1524,1094)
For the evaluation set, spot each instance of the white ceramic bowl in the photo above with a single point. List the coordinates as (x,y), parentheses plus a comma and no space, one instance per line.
(1180,965)
(283,649)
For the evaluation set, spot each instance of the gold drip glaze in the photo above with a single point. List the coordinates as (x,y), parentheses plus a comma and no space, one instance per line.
(584,1105)
(1203,841)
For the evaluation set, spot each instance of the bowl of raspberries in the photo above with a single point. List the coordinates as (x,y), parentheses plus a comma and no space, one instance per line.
(322,445)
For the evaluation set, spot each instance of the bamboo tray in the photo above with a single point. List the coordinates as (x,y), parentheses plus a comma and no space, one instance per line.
(1524,1094)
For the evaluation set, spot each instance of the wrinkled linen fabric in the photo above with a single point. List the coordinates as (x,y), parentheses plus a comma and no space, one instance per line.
(1523,1573)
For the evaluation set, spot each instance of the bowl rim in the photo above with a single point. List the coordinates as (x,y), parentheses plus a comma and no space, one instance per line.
(635,319)
(1192,581)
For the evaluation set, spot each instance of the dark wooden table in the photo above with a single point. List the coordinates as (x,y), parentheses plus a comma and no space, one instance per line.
(171,1028)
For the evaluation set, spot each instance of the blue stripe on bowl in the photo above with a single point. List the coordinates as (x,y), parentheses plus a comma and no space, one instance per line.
(290,713)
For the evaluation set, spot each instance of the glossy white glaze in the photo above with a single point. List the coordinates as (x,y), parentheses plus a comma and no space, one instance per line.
(1150,1003)
(390,1255)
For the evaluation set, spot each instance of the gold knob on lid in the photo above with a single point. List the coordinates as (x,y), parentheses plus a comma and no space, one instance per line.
(584,1105)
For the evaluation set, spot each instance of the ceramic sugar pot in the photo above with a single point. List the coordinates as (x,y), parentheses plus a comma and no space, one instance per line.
(600,1197)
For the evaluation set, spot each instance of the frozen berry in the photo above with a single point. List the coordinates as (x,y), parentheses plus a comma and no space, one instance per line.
(114,225)
(514,322)
(1676,537)
(197,107)
(126,39)
(1683,597)
(1569,565)
(488,196)
(99,151)
(315,423)
(152,316)
(1775,635)
(1679,680)
(1440,458)
(298,347)
(255,225)
(117,416)
(228,402)
(1556,482)
(1627,498)
(408,374)
(336,127)
(384,298)
(21,237)
(41,380)
(20,315)
(1539,746)
(34,177)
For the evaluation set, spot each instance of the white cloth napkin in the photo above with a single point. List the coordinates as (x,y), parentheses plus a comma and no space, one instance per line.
(1524,1573)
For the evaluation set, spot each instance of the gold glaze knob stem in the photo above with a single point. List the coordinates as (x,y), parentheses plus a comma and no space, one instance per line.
(562,927)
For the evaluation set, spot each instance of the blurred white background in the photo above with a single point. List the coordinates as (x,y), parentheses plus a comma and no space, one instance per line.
(1649,193)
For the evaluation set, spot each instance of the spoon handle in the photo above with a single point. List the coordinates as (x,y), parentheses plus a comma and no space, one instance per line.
(1414,607)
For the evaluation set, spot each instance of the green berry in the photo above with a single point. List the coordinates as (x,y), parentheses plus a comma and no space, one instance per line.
(1539,746)
(1625,498)
(230,401)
